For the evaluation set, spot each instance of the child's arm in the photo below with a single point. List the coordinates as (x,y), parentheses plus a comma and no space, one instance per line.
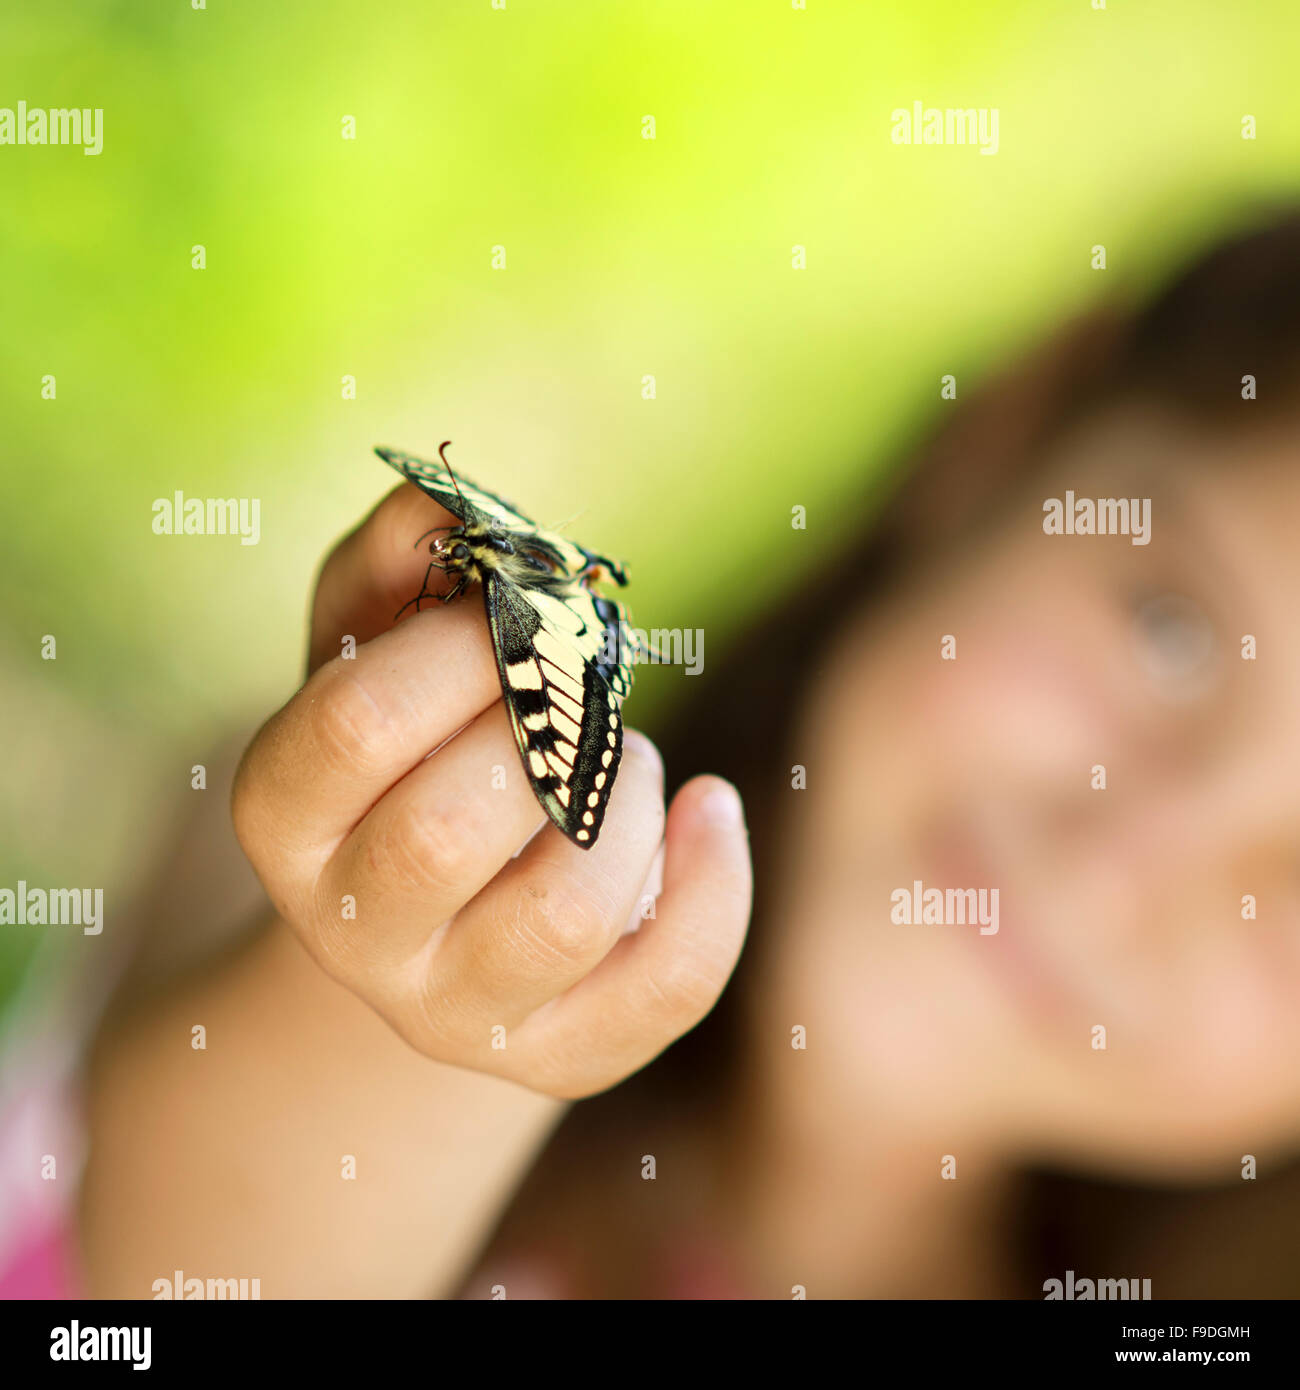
(363,1022)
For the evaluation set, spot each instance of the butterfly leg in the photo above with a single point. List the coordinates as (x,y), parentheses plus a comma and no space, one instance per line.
(455,589)
(425,592)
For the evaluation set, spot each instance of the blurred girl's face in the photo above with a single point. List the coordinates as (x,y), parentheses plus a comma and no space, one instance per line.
(1099,752)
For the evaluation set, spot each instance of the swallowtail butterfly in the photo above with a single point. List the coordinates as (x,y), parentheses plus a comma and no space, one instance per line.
(564,652)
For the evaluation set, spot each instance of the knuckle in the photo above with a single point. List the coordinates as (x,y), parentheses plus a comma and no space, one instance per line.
(681,990)
(423,850)
(566,1077)
(329,936)
(352,731)
(246,801)
(436,1024)
(339,951)
(335,561)
(254,780)
(350,952)
(585,1086)
(570,1088)
(258,828)
(556,925)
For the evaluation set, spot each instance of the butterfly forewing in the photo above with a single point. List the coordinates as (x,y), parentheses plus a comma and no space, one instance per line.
(564,653)
(470,503)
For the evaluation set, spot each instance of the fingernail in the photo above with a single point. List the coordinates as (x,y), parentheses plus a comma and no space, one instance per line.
(721,806)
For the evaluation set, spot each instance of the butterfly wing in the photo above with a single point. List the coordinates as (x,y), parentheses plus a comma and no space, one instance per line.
(564,653)
(471,504)
(565,666)
(463,499)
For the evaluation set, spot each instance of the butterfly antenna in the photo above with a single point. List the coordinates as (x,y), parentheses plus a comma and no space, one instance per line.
(446,444)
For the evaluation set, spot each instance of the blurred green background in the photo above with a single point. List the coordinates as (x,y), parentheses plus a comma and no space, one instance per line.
(626,257)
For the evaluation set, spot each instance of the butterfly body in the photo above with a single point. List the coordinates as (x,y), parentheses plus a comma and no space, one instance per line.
(564,652)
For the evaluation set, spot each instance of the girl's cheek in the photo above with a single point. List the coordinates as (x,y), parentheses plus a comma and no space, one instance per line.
(1014,691)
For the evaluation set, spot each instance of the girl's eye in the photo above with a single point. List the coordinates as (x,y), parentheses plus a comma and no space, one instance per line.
(1176,646)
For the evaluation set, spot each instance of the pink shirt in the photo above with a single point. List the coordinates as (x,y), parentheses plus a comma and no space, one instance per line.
(40,1167)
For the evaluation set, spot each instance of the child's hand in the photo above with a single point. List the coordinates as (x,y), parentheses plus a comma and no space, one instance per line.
(452,940)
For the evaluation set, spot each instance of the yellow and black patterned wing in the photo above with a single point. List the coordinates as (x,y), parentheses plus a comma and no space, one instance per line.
(473,505)
(565,664)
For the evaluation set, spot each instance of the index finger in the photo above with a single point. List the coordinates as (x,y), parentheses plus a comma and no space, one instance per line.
(372,572)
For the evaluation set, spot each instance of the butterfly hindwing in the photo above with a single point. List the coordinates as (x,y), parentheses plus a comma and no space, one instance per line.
(563,694)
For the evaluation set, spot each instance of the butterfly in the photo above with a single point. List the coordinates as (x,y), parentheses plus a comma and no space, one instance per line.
(564,652)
